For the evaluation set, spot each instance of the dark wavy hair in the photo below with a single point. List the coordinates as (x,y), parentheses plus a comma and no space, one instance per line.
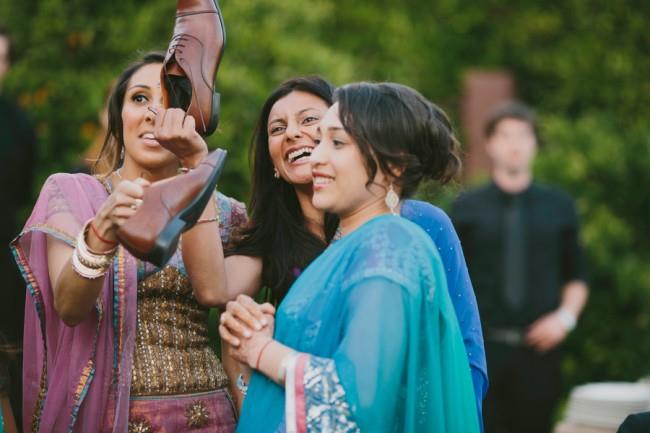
(277,232)
(511,110)
(395,126)
(109,156)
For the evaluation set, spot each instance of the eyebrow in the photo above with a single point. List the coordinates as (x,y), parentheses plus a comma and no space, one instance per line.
(144,86)
(331,128)
(299,113)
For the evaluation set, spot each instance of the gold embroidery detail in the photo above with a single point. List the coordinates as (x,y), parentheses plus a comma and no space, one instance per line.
(172,353)
(197,414)
(140,426)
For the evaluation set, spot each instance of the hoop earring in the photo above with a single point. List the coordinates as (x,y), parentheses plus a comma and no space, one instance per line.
(391,199)
(276,173)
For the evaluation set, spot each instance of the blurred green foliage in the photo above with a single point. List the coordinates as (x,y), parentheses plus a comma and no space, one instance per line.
(584,64)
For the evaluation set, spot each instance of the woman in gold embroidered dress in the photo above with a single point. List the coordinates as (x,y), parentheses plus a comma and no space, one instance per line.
(117,344)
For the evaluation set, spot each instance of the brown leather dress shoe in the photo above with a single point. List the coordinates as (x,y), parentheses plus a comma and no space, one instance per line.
(192,61)
(169,207)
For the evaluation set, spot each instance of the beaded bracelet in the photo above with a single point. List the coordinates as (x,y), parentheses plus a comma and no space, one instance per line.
(100,237)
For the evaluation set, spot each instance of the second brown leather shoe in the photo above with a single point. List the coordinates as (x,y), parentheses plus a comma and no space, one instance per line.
(192,60)
(169,207)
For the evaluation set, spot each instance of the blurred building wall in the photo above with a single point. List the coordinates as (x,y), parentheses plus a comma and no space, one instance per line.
(482,91)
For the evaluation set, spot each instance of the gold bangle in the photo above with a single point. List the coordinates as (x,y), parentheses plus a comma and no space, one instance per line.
(208,220)
(216,218)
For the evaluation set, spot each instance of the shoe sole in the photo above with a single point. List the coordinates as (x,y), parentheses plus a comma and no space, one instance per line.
(167,241)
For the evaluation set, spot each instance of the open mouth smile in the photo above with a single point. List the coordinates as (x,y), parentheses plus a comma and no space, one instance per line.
(301,154)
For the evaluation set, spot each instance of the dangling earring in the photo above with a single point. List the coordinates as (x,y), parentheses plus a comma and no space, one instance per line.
(122,154)
(392,199)
(276,173)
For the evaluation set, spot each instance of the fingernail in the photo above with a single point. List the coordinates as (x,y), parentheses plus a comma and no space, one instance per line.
(258,326)
(235,343)
(247,333)
(265,322)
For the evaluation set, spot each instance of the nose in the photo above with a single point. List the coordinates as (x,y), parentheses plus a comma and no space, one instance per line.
(150,114)
(152,111)
(318,156)
(293,130)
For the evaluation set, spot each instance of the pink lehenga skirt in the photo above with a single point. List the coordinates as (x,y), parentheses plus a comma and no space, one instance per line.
(207,412)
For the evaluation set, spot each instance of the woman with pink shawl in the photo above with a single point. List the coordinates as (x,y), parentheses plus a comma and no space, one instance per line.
(113,344)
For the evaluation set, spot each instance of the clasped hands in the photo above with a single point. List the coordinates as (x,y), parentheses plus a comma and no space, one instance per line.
(247,327)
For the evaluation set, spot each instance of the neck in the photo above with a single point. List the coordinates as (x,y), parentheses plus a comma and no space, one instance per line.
(314,218)
(512,181)
(352,221)
(131,171)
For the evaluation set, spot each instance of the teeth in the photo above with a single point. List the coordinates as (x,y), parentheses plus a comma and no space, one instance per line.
(322,180)
(296,153)
(148,135)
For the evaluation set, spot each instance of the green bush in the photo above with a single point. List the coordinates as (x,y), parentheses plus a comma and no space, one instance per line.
(583,64)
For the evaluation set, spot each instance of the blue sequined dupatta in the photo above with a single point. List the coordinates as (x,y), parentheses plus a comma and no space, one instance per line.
(379,344)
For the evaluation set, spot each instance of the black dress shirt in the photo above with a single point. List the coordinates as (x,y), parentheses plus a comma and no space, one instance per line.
(550,248)
(17,149)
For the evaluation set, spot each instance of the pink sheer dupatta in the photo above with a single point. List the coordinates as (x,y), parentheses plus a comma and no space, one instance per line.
(74,377)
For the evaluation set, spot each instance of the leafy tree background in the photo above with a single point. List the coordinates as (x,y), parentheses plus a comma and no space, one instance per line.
(584,64)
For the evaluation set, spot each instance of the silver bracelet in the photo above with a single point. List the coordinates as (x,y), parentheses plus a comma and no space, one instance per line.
(567,318)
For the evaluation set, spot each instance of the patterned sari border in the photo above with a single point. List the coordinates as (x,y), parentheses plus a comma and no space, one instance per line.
(81,391)
(88,372)
(50,230)
(294,391)
(118,310)
(37,296)
(301,404)
(35,292)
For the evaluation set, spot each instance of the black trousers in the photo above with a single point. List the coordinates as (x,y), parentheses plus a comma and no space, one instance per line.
(524,389)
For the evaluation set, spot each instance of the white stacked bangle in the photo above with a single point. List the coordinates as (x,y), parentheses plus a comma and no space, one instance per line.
(87,263)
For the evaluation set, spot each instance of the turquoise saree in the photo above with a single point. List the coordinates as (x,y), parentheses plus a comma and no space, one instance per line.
(380,349)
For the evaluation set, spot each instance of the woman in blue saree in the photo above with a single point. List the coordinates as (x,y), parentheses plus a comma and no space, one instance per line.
(367,338)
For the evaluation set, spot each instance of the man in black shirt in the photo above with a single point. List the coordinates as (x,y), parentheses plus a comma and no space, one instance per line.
(521,243)
(17,148)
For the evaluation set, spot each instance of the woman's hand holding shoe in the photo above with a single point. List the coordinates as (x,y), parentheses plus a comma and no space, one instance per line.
(175,130)
(116,210)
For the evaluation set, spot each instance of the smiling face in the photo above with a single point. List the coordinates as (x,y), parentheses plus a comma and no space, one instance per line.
(291,130)
(339,171)
(141,148)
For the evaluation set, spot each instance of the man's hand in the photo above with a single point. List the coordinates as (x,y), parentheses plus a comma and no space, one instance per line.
(546,332)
